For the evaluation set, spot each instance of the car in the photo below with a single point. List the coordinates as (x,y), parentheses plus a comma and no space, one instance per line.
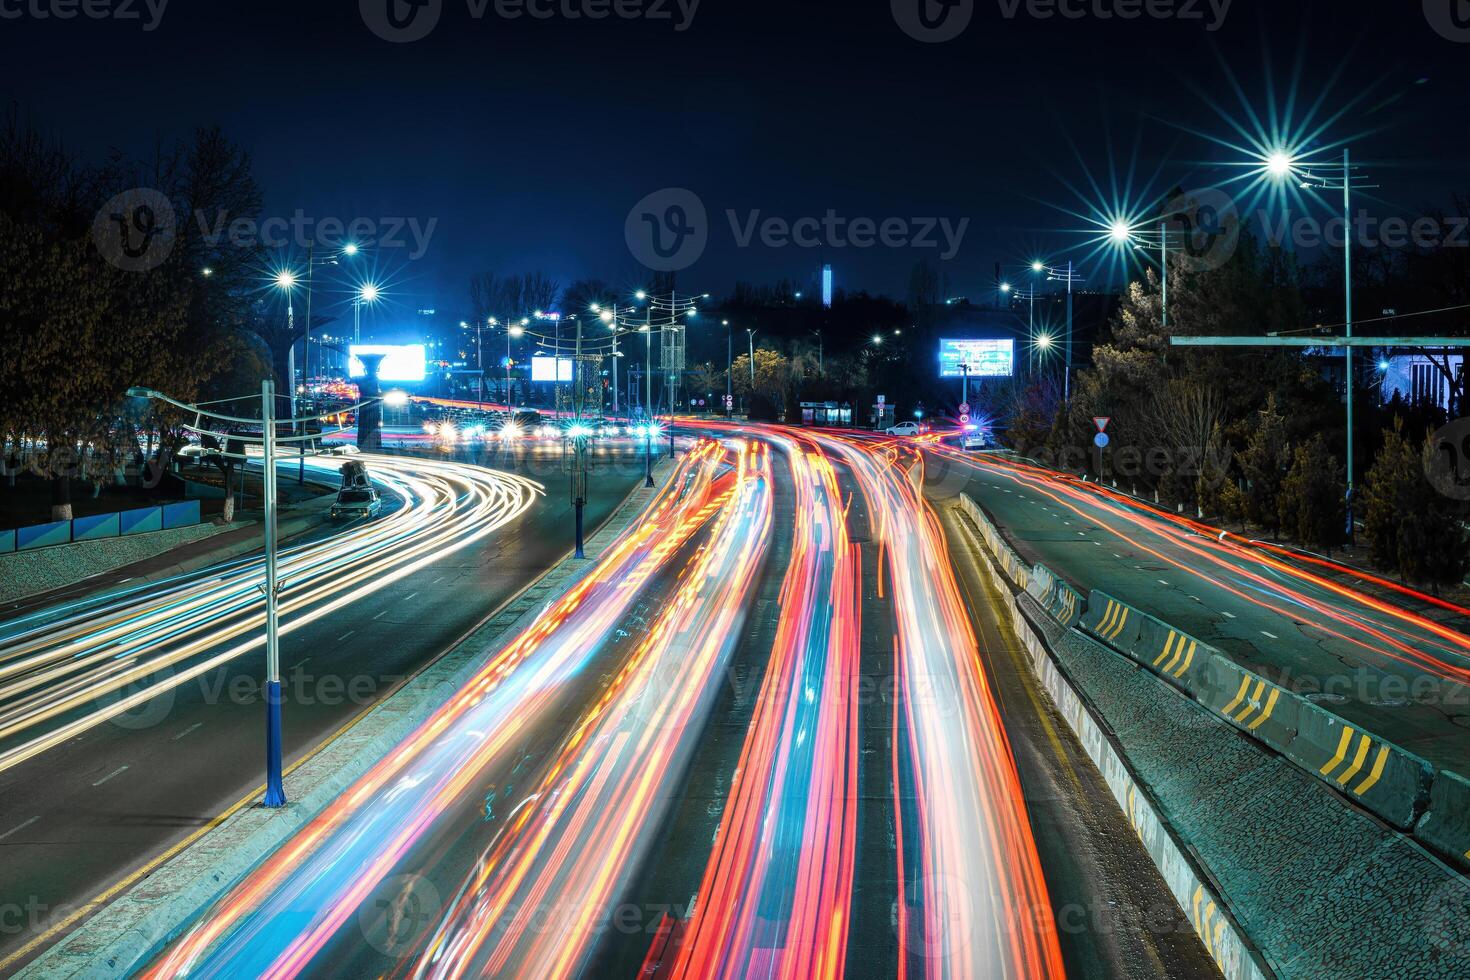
(357,502)
(906,429)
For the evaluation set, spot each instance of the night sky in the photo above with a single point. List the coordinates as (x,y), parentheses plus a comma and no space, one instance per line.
(528,141)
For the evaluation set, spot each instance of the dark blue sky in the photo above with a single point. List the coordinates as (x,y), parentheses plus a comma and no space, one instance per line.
(528,141)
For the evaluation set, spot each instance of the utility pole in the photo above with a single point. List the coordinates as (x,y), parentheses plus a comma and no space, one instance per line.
(648,397)
(579,439)
(275,792)
(615,326)
(275,795)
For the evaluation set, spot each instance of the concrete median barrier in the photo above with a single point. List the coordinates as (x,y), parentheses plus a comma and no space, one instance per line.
(1115,623)
(1252,704)
(1445,829)
(1067,605)
(1176,657)
(1388,780)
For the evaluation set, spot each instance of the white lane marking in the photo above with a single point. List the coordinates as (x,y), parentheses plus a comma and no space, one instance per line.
(346,635)
(192,728)
(1230,614)
(301,663)
(411,598)
(1162,582)
(1118,556)
(116,772)
(381,615)
(16,830)
(1271,635)
(439,579)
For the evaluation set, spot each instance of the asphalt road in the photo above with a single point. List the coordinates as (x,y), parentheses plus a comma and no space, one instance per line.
(758,736)
(91,812)
(1387,675)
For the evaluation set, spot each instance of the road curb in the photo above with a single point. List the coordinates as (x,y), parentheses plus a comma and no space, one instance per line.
(132,929)
(1192,887)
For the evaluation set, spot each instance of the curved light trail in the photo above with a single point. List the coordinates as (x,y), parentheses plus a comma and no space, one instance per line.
(63,672)
(594,816)
(777,892)
(280,917)
(776,899)
(973,900)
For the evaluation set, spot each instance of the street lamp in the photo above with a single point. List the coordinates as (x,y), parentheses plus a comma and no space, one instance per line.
(1283,165)
(275,792)
(366,295)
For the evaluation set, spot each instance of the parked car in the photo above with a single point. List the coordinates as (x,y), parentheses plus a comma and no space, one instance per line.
(906,429)
(357,502)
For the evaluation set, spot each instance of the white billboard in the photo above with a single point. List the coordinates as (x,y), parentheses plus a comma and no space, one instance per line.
(977,358)
(551,369)
(405,363)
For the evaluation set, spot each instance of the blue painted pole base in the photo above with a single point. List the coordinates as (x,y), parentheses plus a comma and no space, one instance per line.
(580,551)
(275,790)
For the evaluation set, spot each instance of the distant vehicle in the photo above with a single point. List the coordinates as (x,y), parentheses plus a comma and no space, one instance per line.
(355,475)
(906,429)
(974,439)
(355,502)
(344,449)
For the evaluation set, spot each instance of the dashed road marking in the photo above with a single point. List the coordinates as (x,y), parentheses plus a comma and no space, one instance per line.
(1271,635)
(346,635)
(19,828)
(411,598)
(192,728)
(116,772)
(381,615)
(1231,615)
(1162,582)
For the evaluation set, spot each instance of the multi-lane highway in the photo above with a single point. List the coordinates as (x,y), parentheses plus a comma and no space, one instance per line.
(1387,658)
(767,736)
(133,719)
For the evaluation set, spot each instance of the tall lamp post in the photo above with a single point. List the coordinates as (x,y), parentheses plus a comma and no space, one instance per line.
(1282,165)
(275,792)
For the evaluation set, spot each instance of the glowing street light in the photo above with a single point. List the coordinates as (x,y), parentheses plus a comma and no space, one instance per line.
(1120,232)
(350,249)
(286,279)
(1280,164)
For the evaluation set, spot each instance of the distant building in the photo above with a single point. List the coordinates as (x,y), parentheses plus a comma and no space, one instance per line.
(1417,380)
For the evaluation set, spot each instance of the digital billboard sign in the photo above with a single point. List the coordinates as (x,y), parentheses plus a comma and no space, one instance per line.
(551,369)
(405,363)
(977,358)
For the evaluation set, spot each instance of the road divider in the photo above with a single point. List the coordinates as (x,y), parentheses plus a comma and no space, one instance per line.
(1445,829)
(1058,598)
(1390,781)
(1191,884)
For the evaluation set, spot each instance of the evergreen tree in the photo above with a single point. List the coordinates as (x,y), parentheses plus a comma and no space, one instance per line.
(1311,505)
(1265,463)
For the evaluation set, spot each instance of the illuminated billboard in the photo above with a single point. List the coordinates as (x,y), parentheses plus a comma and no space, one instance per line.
(406,363)
(551,369)
(977,358)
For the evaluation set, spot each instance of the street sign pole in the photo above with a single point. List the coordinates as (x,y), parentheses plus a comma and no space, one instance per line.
(275,792)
